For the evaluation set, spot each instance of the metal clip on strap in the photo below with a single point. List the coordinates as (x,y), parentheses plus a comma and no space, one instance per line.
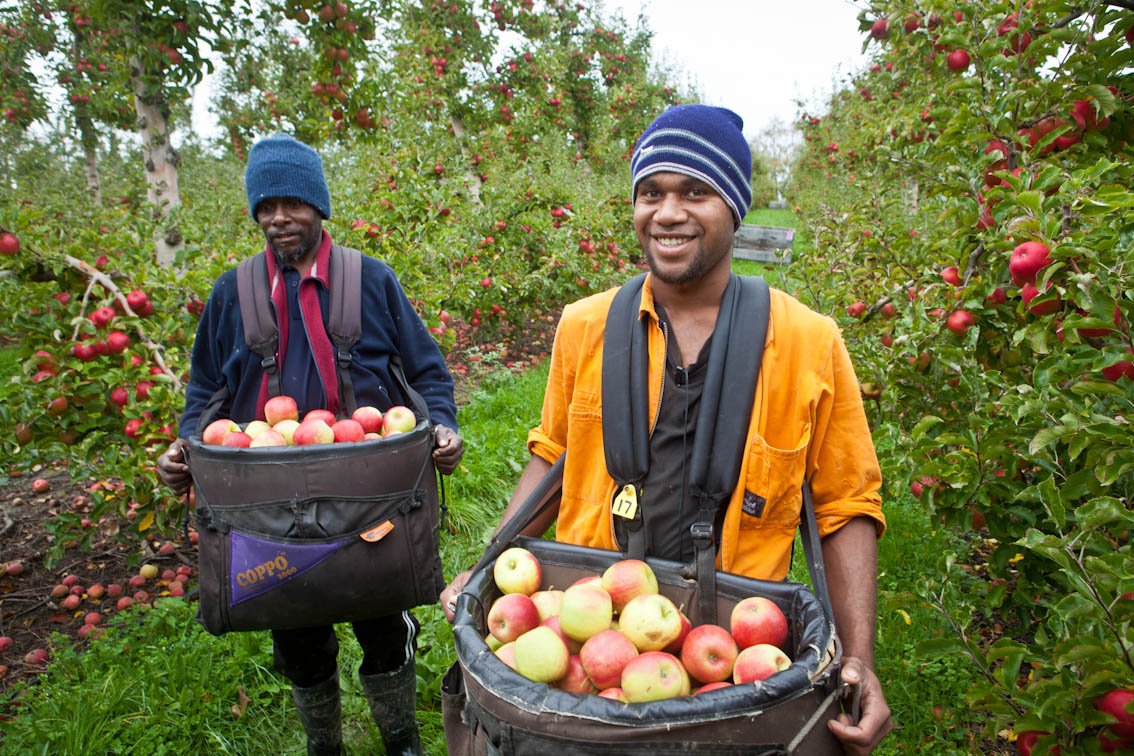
(706,557)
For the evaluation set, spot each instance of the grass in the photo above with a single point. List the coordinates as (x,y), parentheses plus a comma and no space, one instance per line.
(159,684)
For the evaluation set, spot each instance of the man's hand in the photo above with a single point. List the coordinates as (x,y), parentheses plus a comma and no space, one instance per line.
(172,468)
(875,721)
(452,590)
(449,449)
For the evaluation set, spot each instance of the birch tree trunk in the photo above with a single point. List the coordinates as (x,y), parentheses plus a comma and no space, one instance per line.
(89,141)
(161,162)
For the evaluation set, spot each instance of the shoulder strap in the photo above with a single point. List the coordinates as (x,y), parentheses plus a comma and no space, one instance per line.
(261,333)
(722,421)
(344,318)
(625,403)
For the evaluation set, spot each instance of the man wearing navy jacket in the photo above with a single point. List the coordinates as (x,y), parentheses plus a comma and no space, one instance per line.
(289,199)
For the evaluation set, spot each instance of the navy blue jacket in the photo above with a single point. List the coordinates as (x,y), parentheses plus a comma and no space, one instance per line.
(390,326)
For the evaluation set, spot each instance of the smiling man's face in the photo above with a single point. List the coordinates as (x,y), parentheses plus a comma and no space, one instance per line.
(684,226)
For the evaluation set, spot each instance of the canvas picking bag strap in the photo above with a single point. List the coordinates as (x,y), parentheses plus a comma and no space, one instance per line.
(722,422)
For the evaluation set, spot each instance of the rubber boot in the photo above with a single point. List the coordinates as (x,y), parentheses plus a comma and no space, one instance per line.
(393,704)
(320,713)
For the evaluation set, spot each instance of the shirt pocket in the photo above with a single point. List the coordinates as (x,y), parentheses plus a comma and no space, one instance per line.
(773,483)
(584,433)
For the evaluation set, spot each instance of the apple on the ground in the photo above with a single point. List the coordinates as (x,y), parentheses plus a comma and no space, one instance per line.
(586,611)
(517,571)
(654,676)
(605,655)
(512,615)
(541,655)
(708,653)
(626,579)
(651,621)
(759,662)
(758,620)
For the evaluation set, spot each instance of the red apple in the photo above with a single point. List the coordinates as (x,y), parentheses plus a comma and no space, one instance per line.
(238,439)
(5,643)
(36,657)
(398,419)
(675,646)
(880,29)
(40,485)
(512,615)
(369,418)
(1120,369)
(960,321)
(856,309)
(654,676)
(216,431)
(313,432)
(326,416)
(1118,703)
(605,655)
(709,653)
(1027,741)
(614,694)
(958,60)
(1027,260)
(759,662)
(587,610)
(117,341)
(757,620)
(548,602)
(268,438)
(102,316)
(627,579)
(71,602)
(286,428)
(9,244)
(517,571)
(712,686)
(651,621)
(1028,292)
(348,431)
(576,680)
(114,590)
(952,275)
(280,408)
(507,654)
(541,655)
(573,646)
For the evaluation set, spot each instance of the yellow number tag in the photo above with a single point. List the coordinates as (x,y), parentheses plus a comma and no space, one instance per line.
(626,502)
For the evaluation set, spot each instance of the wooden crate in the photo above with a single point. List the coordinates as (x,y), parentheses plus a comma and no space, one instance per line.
(770,244)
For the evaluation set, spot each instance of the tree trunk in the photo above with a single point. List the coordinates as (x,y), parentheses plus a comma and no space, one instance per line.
(472,180)
(89,141)
(161,161)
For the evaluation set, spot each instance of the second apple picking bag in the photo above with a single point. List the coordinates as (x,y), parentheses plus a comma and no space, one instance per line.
(304,536)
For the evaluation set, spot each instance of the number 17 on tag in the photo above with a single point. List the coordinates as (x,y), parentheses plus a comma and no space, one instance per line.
(626,502)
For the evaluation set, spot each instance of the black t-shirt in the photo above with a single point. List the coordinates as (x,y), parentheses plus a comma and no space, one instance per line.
(666,506)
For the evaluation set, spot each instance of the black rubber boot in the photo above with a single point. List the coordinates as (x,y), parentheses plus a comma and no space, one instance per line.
(393,704)
(320,713)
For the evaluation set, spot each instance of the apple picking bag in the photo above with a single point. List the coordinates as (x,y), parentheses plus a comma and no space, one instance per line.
(303,536)
(490,709)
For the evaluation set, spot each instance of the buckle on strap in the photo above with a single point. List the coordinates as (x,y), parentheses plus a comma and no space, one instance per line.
(702,533)
(269,364)
(344,358)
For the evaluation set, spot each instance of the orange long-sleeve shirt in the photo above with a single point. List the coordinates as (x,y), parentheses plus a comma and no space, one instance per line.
(807,419)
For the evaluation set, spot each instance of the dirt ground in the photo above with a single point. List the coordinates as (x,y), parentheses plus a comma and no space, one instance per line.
(30,613)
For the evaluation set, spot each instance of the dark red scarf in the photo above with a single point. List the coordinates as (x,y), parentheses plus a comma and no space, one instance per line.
(317,337)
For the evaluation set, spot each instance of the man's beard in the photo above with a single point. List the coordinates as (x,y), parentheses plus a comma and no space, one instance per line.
(697,268)
(306,244)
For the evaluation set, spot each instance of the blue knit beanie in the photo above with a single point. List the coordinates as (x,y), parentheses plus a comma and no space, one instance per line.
(701,141)
(282,166)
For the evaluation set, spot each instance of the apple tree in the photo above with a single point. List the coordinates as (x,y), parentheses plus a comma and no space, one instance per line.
(968,195)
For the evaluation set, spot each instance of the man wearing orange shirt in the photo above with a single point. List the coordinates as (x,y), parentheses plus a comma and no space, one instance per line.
(691,175)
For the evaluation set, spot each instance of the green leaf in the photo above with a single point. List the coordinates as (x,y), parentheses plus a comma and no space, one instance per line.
(939,646)
(1102,511)
(925,424)
(1047,436)
(1105,98)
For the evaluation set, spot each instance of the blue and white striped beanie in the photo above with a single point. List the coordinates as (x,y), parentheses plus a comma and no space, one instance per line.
(701,141)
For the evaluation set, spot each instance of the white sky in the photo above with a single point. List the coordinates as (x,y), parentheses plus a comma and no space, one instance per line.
(754,56)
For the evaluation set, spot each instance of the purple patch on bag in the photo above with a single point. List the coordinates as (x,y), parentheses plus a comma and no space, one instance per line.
(257,566)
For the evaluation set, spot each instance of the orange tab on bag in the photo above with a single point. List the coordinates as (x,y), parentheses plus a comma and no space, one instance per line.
(378,533)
